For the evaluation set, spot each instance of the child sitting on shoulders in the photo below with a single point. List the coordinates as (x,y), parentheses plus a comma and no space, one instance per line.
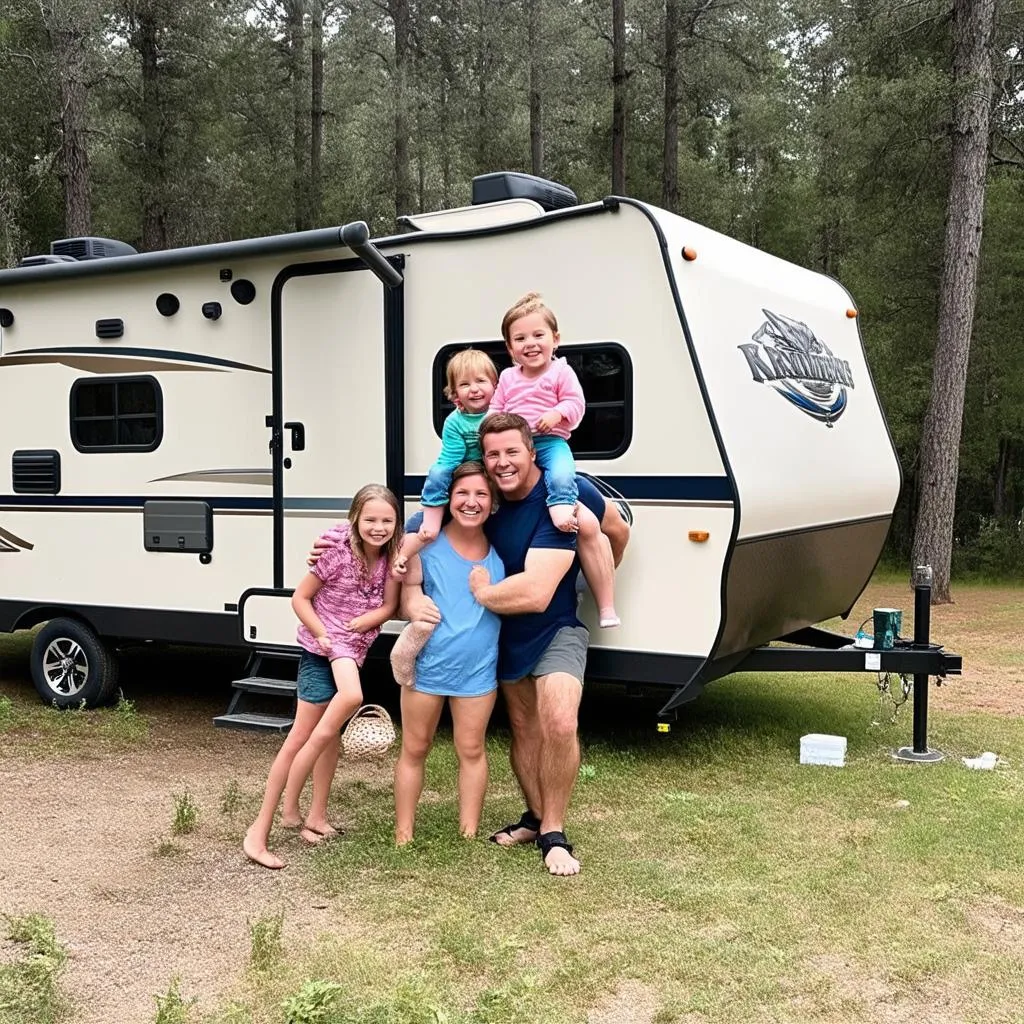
(546,392)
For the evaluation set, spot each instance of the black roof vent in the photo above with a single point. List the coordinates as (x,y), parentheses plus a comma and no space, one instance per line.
(492,188)
(39,261)
(91,248)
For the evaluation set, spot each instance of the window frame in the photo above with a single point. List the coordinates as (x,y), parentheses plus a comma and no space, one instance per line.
(439,412)
(123,448)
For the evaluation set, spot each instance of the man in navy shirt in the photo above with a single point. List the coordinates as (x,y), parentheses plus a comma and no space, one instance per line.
(542,650)
(543,645)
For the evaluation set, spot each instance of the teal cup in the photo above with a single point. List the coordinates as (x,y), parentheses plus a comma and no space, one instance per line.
(887,625)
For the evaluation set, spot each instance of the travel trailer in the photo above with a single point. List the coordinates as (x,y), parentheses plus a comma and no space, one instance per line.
(182,424)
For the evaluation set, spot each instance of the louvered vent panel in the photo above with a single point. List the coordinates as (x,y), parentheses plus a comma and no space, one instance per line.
(36,472)
(109,328)
(77,247)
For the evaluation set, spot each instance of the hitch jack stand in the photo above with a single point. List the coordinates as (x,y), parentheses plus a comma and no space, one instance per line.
(922,627)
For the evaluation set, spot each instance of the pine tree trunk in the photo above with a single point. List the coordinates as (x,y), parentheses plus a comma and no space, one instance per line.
(973,22)
(68,42)
(670,150)
(618,97)
(400,15)
(316,111)
(535,34)
(295,11)
(154,215)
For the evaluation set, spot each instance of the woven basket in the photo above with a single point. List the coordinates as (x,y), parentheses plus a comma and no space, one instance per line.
(369,733)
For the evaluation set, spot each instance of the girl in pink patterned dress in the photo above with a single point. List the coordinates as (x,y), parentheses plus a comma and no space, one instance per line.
(341,603)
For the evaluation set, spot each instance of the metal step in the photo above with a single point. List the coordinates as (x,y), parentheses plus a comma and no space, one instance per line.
(254,722)
(266,684)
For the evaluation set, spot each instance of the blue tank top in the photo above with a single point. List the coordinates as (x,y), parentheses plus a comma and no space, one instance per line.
(461,657)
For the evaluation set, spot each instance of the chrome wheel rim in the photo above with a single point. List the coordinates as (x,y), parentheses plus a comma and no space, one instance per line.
(65,667)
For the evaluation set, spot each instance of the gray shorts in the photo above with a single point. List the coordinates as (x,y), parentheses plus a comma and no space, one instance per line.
(567,653)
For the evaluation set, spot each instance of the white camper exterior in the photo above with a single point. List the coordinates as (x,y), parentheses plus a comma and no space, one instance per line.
(167,470)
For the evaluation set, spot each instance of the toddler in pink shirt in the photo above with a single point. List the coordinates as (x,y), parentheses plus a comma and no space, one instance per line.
(546,392)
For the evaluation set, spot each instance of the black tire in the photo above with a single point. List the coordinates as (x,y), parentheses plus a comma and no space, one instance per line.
(71,666)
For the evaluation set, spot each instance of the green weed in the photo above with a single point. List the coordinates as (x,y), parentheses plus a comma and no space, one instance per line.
(167,848)
(265,947)
(29,986)
(186,814)
(314,1003)
(231,799)
(126,722)
(172,1007)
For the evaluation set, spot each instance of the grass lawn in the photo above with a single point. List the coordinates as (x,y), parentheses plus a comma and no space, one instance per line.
(722,880)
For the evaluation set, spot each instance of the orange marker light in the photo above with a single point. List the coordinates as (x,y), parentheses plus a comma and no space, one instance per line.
(851,314)
(699,536)
(689,254)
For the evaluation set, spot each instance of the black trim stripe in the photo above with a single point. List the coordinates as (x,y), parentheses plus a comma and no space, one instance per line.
(645,488)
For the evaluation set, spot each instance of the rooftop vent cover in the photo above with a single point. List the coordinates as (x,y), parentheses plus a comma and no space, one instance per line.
(492,188)
(43,260)
(91,248)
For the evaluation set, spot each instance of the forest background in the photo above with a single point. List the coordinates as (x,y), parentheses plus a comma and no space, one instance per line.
(818,130)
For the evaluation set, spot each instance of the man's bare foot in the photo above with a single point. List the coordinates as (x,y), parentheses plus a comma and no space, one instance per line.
(402,840)
(560,861)
(259,854)
(557,853)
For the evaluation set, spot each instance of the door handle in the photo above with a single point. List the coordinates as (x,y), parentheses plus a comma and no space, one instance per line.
(298,435)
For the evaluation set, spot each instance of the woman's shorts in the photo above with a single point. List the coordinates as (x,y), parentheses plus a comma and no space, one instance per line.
(315,680)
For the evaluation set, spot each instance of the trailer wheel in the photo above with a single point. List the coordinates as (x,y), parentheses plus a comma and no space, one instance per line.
(71,667)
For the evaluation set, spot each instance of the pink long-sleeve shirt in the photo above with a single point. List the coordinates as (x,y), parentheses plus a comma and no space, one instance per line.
(557,387)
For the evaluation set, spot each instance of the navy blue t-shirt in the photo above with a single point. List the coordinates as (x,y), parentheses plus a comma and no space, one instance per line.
(514,528)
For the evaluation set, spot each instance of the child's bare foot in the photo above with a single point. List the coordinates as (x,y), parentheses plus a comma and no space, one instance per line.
(323,828)
(564,517)
(259,854)
(608,618)
(402,839)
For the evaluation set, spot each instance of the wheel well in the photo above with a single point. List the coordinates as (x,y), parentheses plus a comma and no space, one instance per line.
(44,613)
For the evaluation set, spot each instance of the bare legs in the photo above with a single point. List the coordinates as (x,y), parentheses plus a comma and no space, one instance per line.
(326,733)
(311,746)
(595,553)
(420,715)
(545,756)
(255,842)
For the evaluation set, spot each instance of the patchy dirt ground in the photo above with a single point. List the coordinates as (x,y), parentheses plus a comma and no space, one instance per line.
(87,841)
(82,833)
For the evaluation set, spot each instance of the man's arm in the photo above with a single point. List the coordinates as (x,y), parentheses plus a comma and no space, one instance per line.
(528,591)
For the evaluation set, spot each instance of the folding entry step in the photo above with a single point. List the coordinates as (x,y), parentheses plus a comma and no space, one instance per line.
(271,681)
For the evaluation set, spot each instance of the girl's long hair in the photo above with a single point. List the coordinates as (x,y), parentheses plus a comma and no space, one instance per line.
(363,495)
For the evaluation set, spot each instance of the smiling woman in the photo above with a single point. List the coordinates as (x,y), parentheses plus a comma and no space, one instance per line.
(459,659)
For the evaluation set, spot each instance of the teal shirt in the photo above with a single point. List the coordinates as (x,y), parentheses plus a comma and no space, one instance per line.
(460,438)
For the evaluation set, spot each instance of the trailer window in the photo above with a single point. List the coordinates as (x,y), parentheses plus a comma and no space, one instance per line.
(120,414)
(606,373)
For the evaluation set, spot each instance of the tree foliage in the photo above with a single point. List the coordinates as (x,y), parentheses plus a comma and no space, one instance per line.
(819,130)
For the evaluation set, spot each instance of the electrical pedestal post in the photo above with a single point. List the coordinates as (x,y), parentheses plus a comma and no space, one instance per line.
(922,629)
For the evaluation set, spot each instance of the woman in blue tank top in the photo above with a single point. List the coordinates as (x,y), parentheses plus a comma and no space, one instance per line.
(459,662)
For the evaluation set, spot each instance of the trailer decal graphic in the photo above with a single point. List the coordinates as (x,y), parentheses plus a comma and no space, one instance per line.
(11,542)
(787,354)
(120,360)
